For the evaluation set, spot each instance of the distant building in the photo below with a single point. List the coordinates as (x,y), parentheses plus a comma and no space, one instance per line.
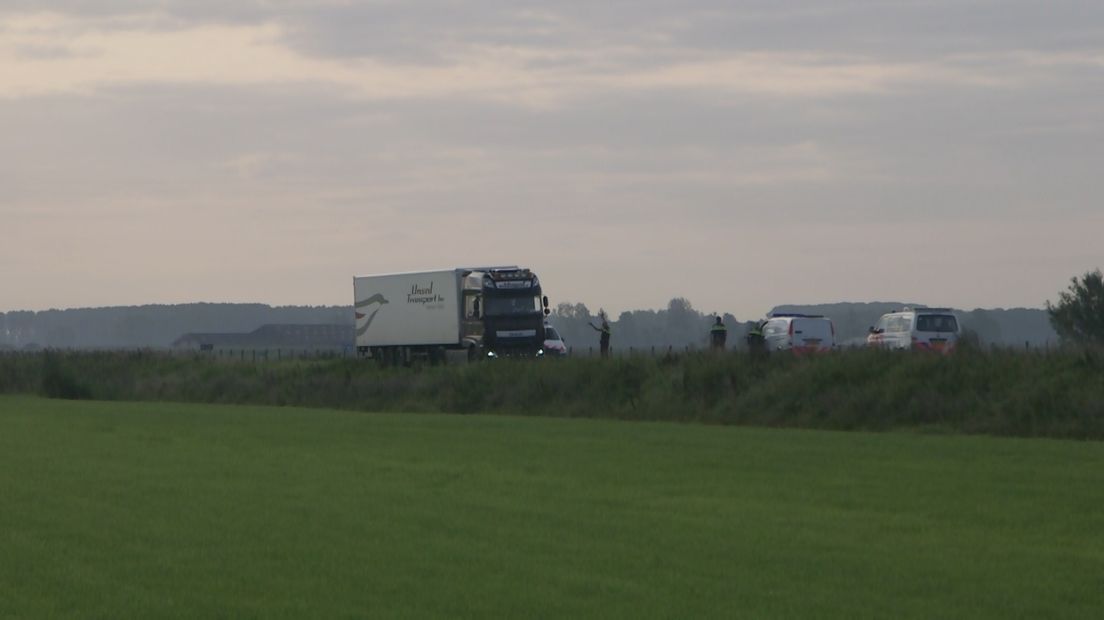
(293,336)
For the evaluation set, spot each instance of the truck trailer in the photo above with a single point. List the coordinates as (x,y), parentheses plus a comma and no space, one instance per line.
(460,313)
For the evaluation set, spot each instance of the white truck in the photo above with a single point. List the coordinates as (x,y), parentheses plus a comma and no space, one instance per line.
(460,313)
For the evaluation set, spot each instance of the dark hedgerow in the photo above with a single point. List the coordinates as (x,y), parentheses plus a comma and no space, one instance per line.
(1002,392)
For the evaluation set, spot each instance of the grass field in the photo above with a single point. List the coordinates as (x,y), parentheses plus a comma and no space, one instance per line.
(156,510)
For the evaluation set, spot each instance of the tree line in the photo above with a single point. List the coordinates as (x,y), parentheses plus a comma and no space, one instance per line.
(1077,316)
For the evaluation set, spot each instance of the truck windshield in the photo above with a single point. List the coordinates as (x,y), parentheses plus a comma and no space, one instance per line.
(936,323)
(503,306)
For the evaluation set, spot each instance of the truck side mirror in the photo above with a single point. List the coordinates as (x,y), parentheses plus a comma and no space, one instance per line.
(545,300)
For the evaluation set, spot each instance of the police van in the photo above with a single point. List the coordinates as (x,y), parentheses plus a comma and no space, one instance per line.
(799,333)
(554,345)
(921,329)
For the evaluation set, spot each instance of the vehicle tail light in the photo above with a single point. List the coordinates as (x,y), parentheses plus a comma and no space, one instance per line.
(791,328)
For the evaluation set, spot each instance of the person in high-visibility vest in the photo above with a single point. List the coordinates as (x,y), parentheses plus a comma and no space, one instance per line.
(757,345)
(718,334)
(604,339)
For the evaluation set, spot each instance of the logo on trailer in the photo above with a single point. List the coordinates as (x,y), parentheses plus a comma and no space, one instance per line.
(378,300)
(423,295)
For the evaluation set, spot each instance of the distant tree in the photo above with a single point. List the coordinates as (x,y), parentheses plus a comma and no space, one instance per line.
(679,308)
(1078,316)
(983,326)
(569,311)
(683,322)
(626,327)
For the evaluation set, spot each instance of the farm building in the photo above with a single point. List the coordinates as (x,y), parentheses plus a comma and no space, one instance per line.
(287,336)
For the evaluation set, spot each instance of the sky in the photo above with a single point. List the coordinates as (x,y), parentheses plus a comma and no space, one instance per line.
(741,154)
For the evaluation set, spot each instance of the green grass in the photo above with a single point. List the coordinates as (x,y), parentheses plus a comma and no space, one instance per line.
(163,510)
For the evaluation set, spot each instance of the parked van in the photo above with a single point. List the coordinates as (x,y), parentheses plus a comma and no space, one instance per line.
(800,333)
(924,329)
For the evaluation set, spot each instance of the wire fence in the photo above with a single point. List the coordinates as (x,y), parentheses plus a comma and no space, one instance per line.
(277,354)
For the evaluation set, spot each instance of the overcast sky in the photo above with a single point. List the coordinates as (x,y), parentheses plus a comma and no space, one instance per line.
(741,154)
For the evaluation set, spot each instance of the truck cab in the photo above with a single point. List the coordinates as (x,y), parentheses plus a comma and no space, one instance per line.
(512,309)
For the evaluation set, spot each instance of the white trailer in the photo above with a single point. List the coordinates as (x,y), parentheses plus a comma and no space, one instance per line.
(405,310)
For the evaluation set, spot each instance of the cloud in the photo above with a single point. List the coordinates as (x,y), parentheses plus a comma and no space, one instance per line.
(400,31)
(640,141)
(75,55)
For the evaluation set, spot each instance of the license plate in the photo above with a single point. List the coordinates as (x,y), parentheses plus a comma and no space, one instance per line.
(812,341)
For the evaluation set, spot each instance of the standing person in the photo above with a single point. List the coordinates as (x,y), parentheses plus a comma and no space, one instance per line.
(757,345)
(604,339)
(718,335)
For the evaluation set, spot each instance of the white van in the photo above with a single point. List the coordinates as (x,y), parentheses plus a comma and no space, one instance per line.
(800,333)
(921,329)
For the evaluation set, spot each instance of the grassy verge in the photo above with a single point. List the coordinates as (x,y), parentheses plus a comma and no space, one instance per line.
(1001,393)
(170,510)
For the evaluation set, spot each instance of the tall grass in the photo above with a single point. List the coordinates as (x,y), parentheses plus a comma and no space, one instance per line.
(989,392)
